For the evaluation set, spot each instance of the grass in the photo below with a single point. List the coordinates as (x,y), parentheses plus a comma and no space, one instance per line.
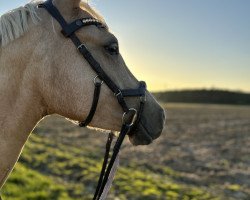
(60,172)
(27,184)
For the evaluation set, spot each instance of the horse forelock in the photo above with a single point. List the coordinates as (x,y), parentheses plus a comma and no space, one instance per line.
(92,11)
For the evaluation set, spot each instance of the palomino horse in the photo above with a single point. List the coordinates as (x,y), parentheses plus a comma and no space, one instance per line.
(41,73)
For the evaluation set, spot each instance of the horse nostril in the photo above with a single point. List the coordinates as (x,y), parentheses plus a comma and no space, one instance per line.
(160,124)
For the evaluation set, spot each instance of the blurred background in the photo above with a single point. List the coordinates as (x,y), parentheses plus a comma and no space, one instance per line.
(195,57)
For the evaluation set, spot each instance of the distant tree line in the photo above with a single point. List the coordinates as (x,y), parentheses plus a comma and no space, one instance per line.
(205,96)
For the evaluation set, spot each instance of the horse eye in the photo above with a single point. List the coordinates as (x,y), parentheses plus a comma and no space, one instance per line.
(112,49)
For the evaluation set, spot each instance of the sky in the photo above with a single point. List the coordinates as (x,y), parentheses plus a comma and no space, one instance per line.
(179,44)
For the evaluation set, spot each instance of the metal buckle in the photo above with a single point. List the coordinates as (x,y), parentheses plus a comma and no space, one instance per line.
(118,94)
(96,81)
(81,46)
(133,117)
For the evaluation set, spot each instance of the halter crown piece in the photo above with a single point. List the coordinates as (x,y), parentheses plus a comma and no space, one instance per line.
(131,116)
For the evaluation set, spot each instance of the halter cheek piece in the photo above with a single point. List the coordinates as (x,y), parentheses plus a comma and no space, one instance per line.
(131,116)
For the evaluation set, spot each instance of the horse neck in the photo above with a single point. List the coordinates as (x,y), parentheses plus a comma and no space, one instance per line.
(20,104)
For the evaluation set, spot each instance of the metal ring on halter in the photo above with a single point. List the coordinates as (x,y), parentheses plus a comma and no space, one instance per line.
(98,82)
(134,117)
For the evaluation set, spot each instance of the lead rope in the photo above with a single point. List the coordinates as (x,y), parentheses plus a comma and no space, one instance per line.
(105,163)
(106,178)
(111,179)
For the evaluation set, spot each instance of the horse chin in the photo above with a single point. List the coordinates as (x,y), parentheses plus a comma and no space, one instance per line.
(140,137)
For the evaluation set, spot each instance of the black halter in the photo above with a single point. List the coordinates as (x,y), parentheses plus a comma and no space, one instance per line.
(131,116)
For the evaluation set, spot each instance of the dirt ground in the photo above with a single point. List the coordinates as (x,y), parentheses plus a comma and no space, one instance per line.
(205,145)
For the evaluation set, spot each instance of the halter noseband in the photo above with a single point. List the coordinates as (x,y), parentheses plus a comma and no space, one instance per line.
(131,116)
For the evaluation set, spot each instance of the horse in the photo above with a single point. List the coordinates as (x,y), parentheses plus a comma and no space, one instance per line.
(42,74)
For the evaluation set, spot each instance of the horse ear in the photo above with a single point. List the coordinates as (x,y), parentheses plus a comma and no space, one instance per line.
(67,6)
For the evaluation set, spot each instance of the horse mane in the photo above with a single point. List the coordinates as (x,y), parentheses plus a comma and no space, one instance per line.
(14,23)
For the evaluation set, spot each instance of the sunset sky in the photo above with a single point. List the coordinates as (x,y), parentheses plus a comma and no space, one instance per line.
(174,44)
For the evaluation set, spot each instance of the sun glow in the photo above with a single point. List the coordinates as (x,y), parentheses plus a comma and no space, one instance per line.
(184,45)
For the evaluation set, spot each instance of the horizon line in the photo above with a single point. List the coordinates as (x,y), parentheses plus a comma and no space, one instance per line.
(201,88)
